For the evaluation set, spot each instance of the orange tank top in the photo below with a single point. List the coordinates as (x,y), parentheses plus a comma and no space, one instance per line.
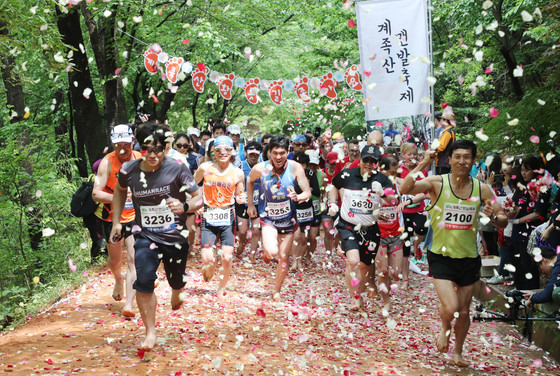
(219,187)
(128,211)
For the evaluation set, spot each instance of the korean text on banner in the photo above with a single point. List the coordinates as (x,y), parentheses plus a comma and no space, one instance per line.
(394,54)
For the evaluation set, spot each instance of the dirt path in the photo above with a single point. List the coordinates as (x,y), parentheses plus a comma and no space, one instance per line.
(310,333)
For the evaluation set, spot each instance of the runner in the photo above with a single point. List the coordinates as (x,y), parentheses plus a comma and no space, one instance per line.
(222,187)
(454,260)
(389,258)
(122,139)
(158,184)
(362,192)
(308,220)
(277,201)
(253,152)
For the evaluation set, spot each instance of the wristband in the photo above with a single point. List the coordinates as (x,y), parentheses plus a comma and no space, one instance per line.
(186,207)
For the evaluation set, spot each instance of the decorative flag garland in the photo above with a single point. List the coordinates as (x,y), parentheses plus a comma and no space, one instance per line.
(176,69)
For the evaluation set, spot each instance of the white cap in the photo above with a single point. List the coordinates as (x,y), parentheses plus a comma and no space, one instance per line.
(313,157)
(235,129)
(208,143)
(121,133)
(193,131)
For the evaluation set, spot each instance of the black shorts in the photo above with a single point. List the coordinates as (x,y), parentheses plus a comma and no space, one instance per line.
(241,211)
(366,240)
(147,261)
(416,222)
(126,229)
(462,271)
(284,227)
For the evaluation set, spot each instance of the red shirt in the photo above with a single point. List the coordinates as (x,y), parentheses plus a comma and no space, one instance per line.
(414,208)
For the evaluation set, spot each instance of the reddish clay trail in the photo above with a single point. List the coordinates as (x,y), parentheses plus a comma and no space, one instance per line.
(310,332)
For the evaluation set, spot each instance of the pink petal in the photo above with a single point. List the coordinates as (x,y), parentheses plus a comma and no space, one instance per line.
(493,112)
(351,23)
(535,139)
(488,70)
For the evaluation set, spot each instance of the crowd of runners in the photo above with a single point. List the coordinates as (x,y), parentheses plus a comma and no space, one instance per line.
(373,200)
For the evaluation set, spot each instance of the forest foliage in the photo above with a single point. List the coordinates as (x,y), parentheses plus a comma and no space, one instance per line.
(487,54)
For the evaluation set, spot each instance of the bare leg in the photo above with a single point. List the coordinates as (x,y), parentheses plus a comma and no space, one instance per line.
(255,238)
(312,243)
(454,302)
(115,260)
(283,260)
(329,237)
(300,243)
(208,263)
(382,265)
(405,273)
(225,270)
(354,279)
(130,277)
(417,251)
(270,242)
(242,235)
(147,303)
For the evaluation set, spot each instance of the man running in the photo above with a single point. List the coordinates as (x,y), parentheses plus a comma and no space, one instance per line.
(362,192)
(277,204)
(160,187)
(122,139)
(253,152)
(454,260)
(222,187)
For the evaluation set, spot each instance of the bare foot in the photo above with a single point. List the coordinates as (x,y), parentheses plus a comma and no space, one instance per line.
(221,293)
(442,341)
(252,258)
(372,293)
(176,301)
(357,305)
(118,290)
(207,273)
(266,258)
(404,285)
(128,314)
(387,306)
(458,360)
(149,343)
(276,297)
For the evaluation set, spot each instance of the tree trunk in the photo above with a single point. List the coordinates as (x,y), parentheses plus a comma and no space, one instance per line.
(102,34)
(16,103)
(90,131)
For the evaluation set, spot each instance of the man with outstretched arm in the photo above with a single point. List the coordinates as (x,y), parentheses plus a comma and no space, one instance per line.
(454,261)
(163,191)
(277,209)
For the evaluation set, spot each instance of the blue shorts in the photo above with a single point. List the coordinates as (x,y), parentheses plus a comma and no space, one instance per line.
(147,261)
(209,233)
(284,227)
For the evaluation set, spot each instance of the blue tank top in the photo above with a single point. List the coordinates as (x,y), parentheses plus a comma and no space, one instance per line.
(274,204)
(247,170)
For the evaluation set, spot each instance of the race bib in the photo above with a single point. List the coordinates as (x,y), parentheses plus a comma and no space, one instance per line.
(157,218)
(278,210)
(316,205)
(359,202)
(128,203)
(459,217)
(388,210)
(305,215)
(218,216)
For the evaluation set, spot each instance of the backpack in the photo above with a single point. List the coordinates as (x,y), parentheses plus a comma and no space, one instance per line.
(82,203)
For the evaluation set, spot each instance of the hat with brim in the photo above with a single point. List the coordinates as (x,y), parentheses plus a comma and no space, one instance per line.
(253,150)
(370,151)
(332,157)
(122,133)
(300,138)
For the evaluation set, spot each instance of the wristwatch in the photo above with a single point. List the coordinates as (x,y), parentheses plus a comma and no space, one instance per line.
(186,207)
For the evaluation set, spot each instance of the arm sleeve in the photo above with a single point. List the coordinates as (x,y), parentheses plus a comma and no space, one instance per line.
(546,294)
(337,181)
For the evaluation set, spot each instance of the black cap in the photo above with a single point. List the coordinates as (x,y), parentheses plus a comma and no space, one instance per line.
(371,151)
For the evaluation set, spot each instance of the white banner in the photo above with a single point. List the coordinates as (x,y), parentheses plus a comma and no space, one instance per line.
(395,57)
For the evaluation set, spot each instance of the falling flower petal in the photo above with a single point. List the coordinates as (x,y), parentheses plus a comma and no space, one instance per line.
(493,112)
(534,139)
(518,72)
(351,23)
(526,16)
(481,135)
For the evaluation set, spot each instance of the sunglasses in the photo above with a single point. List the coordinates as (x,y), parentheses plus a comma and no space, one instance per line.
(369,160)
(182,146)
(300,144)
(223,149)
(153,149)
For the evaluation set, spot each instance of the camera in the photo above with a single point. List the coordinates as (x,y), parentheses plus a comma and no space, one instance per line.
(516,295)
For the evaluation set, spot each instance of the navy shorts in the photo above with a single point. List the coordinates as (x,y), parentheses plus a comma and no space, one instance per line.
(147,261)
(126,229)
(209,233)
(462,271)
(366,241)
(284,227)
